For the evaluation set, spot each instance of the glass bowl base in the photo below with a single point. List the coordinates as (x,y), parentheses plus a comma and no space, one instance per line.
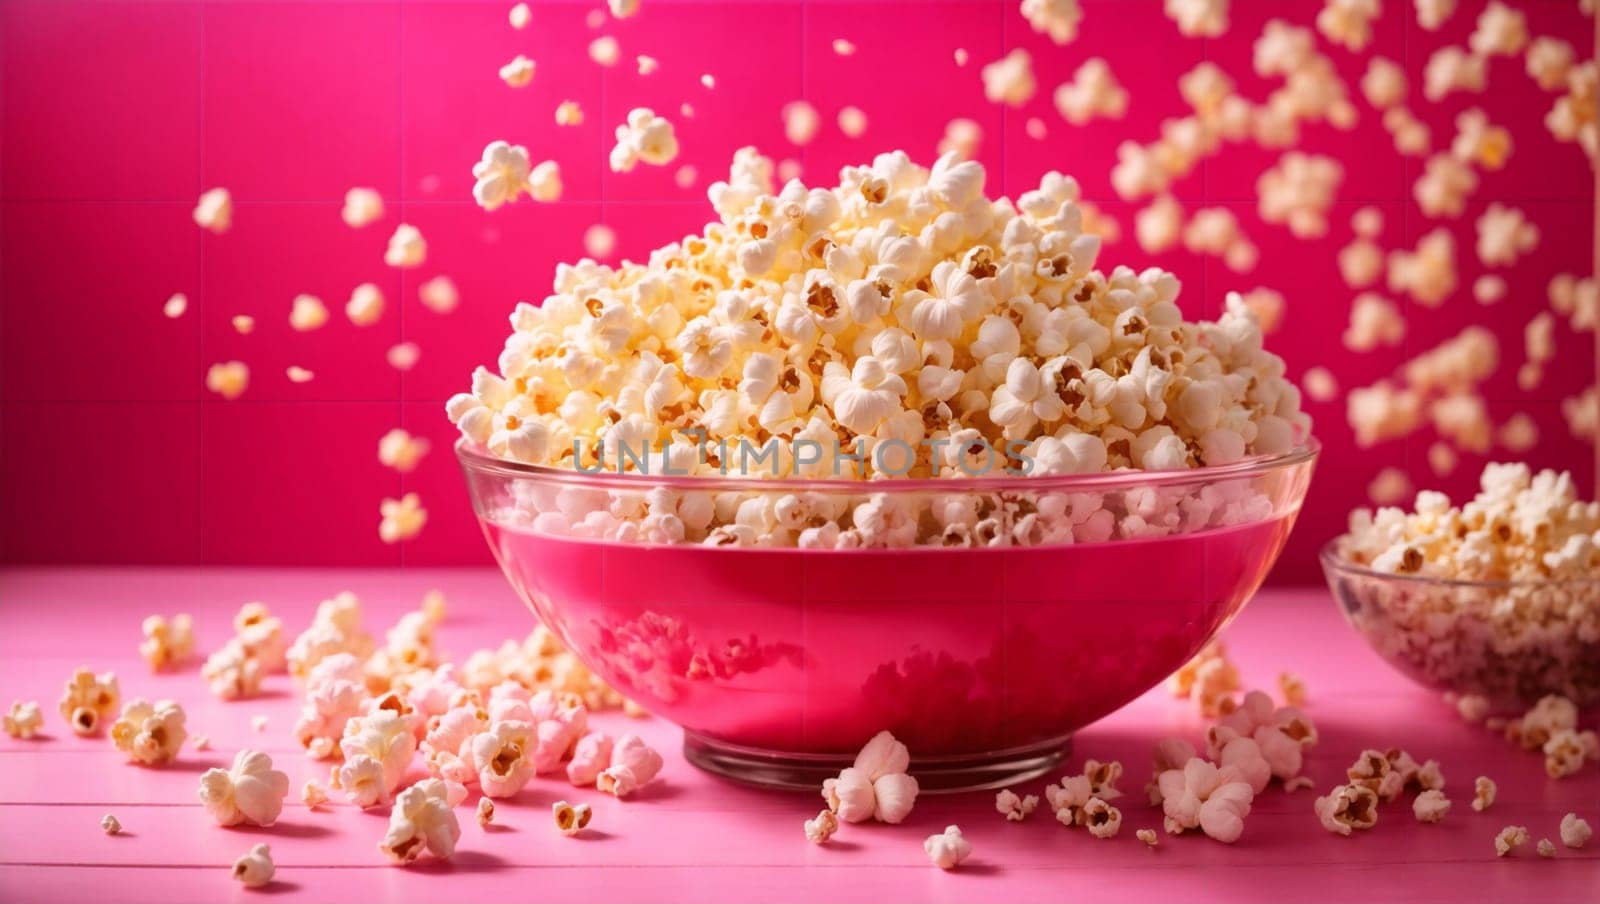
(935,775)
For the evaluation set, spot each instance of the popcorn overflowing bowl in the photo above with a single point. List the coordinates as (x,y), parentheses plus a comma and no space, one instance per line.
(981,620)
(1505,641)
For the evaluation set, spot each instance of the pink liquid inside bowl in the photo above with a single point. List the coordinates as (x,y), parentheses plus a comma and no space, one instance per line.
(780,663)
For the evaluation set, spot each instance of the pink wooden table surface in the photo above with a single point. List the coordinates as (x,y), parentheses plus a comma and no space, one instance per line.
(691,837)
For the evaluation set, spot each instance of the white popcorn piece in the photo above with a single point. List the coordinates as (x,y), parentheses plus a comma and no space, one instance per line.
(110,825)
(1483,792)
(949,849)
(407,248)
(1367,223)
(599,241)
(1489,289)
(1412,137)
(1199,795)
(382,737)
(228,379)
(800,122)
(24,720)
(1389,487)
(243,324)
(485,812)
(421,821)
(852,122)
(1384,83)
(821,827)
(1432,14)
(501,176)
(251,792)
(150,734)
(647,64)
(570,819)
(1348,23)
(605,51)
(439,295)
(1575,832)
(843,47)
(1428,273)
(1199,18)
(1430,806)
(1451,69)
(1149,837)
(313,795)
(1361,263)
(1321,386)
(708,81)
(175,306)
(1509,839)
(544,182)
(307,313)
(1298,192)
(1549,60)
(1347,807)
(1215,231)
(365,306)
(403,356)
(1158,226)
(623,9)
(520,16)
(401,519)
(1442,459)
(1009,80)
(876,786)
(1093,91)
(233,673)
(569,113)
(400,450)
(1546,848)
(297,374)
(362,207)
(214,211)
(1479,141)
(1013,807)
(1101,819)
(1504,235)
(961,136)
(633,765)
(1374,321)
(255,869)
(1057,18)
(1501,31)
(1444,187)
(518,73)
(961,56)
(88,702)
(166,643)
(644,138)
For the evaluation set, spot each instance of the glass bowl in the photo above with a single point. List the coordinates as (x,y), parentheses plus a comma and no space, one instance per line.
(1497,639)
(1077,594)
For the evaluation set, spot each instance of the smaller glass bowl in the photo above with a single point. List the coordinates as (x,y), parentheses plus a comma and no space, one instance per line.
(1507,641)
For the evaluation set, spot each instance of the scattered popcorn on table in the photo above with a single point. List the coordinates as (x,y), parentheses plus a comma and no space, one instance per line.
(401,519)
(214,211)
(232,673)
(1546,849)
(1575,832)
(1199,795)
(519,72)
(485,812)
(876,786)
(24,720)
(520,16)
(569,113)
(228,379)
(89,701)
(821,827)
(633,765)
(421,820)
(605,51)
(1199,18)
(251,792)
(1148,836)
(110,825)
(948,849)
(313,795)
(1014,808)
(1093,91)
(255,868)
(1430,806)
(166,643)
(1348,807)
(150,734)
(1009,80)
(1509,839)
(407,248)
(1483,791)
(1102,819)
(570,819)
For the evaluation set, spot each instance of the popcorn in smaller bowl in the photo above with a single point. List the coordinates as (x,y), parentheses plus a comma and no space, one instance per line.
(1498,598)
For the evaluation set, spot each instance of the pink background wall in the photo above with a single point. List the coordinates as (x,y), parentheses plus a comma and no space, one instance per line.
(115,116)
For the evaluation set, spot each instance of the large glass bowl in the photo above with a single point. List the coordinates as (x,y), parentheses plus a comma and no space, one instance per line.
(779,663)
(1501,640)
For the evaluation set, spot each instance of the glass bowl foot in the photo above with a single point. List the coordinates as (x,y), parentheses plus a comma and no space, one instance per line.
(806,771)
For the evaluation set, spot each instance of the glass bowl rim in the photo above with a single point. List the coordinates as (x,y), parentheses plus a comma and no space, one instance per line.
(1334,563)
(475,459)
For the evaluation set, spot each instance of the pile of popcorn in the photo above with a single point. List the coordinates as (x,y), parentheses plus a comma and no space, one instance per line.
(1514,610)
(901,322)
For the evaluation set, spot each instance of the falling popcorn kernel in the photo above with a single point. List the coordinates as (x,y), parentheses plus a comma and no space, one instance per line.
(961,56)
(402,356)
(843,47)
(407,247)
(1093,91)
(298,374)
(214,212)
(362,206)
(175,306)
(599,241)
(852,122)
(501,176)
(365,306)
(644,138)
(708,81)
(439,295)
(228,379)
(800,122)
(402,519)
(519,72)
(1009,80)
(623,9)
(569,113)
(307,313)
(605,51)
(400,450)
(520,16)
(1199,18)
(1057,18)
(243,324)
